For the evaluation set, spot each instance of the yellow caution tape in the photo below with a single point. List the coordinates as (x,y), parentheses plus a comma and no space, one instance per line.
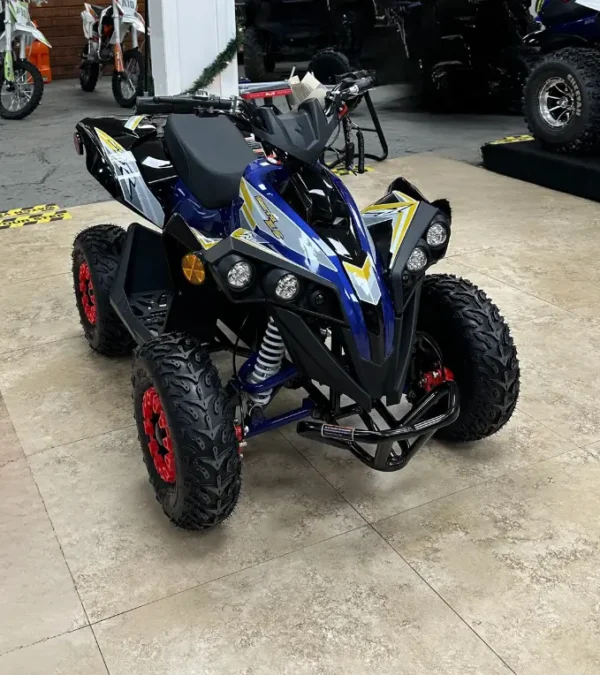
(41,213)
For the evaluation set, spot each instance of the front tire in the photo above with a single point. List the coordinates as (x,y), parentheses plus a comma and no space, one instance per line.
(186,431)
(257,63)
(476,345)
(28,92)
(96,256)
(562,100)
(129,84)
(326,65)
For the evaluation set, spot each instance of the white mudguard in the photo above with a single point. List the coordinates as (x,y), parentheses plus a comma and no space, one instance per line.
(22,25)
(592,4)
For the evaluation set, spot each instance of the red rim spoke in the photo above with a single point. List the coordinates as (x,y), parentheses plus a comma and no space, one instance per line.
(86,290)
(160,446)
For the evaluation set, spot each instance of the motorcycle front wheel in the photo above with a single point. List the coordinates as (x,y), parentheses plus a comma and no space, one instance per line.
(129,84)
(20,98)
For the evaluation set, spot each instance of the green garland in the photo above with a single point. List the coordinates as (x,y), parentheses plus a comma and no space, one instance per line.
(216,67)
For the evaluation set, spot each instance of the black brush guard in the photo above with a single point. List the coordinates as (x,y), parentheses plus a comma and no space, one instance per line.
(410,433)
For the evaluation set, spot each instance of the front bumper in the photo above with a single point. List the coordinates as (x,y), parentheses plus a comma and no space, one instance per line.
(410,433)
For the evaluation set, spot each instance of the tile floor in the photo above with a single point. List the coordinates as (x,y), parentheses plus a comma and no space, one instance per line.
(479,560)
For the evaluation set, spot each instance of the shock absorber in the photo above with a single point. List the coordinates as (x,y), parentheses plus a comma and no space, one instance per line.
(268,362)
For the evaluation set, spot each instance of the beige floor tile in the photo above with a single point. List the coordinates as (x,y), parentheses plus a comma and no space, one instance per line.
(112,530)
(10,448)
(590,311)
(560,362)
(488,210)
(519,560)
(560,269)
(43,250)
(437,470)
(62,392)
(37,311)
(37,597)
(514,304)
(347,606)
(72,654)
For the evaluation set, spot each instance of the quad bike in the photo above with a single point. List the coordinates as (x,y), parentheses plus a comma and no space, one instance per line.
(106,29)
(269,258)
(21,83)
(325,32)
(465,54)
(562,95)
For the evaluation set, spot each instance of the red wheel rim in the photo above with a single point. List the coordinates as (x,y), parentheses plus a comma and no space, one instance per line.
(160,442)
(86,289)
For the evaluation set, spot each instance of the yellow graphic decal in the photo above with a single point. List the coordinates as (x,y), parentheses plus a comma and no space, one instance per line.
(42,213)
(363,272)
(206,242)
(109,142)
(247,205)
(512,139)
(271,218)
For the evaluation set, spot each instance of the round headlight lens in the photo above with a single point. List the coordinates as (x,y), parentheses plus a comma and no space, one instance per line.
(417,260)
(437,235)
(287,287)
(240,275)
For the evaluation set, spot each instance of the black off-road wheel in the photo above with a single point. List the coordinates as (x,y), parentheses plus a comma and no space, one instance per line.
(20,98)
(89,72)
(257,63)
(476,345)
(328,64)
(96,255)
(562,100)
(129,84)
(186,431)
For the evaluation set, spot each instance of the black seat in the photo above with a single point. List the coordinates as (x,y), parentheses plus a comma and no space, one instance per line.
(209,155)
(98,8)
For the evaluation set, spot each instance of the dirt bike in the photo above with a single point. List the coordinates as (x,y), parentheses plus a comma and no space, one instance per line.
(21,83)
(268,257)
(106,29)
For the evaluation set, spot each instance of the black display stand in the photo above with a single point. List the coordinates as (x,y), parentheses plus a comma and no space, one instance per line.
(529,161)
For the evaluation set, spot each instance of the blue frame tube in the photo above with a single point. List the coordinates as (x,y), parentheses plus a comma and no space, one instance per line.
(281,420)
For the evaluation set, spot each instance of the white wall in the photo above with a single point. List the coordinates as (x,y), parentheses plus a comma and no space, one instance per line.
(187,35)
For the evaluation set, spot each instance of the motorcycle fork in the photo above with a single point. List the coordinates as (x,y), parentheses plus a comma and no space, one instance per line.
(9,72)
(119,66)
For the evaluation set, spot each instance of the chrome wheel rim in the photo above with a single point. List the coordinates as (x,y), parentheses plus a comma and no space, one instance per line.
(15,96)
(130,79)
(557,101)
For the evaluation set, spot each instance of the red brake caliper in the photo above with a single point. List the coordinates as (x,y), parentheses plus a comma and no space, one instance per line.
(160,448)
(86,289)
(434,378)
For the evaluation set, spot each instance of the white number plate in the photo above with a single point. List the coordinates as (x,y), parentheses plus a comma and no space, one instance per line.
(20,10)
(128,7)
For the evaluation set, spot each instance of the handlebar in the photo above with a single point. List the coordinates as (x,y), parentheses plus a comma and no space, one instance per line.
(165,105)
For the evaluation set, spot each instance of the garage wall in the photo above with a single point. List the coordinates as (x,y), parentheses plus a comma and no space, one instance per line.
(60,21)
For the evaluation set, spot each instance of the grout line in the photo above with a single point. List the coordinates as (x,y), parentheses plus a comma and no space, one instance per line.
(16,282)
(46,639)
(309,463)
(230,574)
(40,345)
(79,440)
(468,625)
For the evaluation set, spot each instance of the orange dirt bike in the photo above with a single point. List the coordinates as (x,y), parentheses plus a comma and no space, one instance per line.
(106,29)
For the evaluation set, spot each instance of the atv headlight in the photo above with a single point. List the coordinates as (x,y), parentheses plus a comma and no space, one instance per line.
(437,235)
(287,287)
(240,275)
(417,260)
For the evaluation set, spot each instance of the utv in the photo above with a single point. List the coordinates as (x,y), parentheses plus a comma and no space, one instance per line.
(562,95)
(324,32)
(269,258)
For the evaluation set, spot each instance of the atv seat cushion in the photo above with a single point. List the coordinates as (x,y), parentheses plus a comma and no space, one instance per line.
(209,155)
(98,8)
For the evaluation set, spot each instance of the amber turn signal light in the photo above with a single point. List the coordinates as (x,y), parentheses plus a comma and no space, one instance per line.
(193,269)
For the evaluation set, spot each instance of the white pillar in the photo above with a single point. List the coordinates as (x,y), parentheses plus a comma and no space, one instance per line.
(186,36)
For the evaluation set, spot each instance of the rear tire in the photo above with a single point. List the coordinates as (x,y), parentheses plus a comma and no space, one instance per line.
(256,59)
(477,347)
(22,68)
(135,59)
(96,256)
(200,484)
(579,69)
